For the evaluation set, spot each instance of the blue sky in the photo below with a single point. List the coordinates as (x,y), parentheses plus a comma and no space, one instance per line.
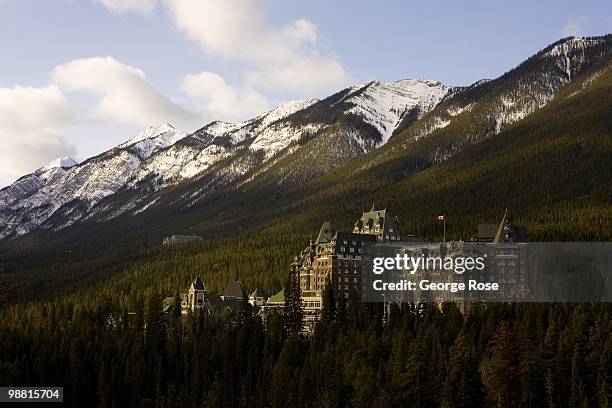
(80,76)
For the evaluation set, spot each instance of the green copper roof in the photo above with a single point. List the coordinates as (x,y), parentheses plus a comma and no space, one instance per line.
(234,289)
(325,234)
(278,297)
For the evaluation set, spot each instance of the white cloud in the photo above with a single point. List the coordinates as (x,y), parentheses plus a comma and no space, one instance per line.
(301,31)
(126,95)
(301,76)
(31,125)
(573,27)
(223,101)
(283,60)
(125,6)
(238,30)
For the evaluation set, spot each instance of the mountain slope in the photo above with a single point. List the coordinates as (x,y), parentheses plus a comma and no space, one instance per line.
(552,168)
(336,159)
(487,107)
(124,180)
(275,194)
(31,183)
(74,191)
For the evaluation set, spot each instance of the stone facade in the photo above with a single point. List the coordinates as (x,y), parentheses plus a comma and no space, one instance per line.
(336,258)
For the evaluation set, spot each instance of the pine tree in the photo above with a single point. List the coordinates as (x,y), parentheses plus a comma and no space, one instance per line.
(329,305)
(500,371)
(294,315)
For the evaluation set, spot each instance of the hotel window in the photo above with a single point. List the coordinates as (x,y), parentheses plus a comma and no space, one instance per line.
(354,242)
(390,229)
(360,251)
(343,249)
(352,249)
(345,242)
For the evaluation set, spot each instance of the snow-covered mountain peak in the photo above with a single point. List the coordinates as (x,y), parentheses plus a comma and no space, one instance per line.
(383,105)
(563,48)
(239,129)
(61,162)
(165,131)
(285,109)
(220,128)
(153,139)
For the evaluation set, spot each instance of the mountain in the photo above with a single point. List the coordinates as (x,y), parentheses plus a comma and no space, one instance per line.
(74,190)
(31,183)
(315,159)
(162,156)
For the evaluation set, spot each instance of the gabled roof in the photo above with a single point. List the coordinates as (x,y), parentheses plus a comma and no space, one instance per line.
(374,214)
(234,289)
(278,297)
(505,231)
(325,234)
(373,217)
(197,284)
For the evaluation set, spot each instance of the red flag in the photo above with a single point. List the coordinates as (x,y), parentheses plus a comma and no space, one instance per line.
(440,218)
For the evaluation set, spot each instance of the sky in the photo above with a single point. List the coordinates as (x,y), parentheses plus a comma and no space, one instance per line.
(78,77)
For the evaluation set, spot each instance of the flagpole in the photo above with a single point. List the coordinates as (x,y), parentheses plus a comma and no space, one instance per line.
(444,224)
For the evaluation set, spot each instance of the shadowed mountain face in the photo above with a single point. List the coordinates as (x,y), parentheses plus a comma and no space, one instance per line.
(417,146)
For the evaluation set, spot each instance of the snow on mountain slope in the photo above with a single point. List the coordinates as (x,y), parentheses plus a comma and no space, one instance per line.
(484,109)
(214,142)
(292,143)
(154,138)
(383,105)
(61,162)
(238,132)
(162,156)
(276,138)
(31,183)
(82,185)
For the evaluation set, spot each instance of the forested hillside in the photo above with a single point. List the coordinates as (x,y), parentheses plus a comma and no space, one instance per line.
(499,356)
(552,169)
